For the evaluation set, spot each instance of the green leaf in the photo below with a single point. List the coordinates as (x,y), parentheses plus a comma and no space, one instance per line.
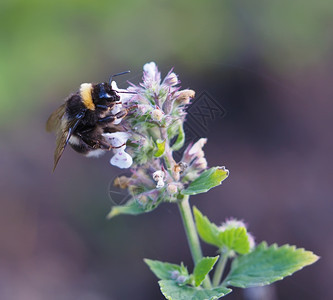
(132,207)
(266,264)
(208,231)
(235,239)
(207,180)
(160,148)
(180,139)
(202,268)
(164,270)
(172,291)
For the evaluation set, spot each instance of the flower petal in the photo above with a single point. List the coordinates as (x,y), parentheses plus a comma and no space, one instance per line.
(121,160)
(150,69)
(197,147)
(117,139)
(122,93)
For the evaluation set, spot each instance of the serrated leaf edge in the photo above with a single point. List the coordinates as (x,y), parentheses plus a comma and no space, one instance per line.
(222,168)
(160,282)
(264,246)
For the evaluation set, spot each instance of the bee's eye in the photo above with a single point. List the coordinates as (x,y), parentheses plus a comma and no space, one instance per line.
(102,92)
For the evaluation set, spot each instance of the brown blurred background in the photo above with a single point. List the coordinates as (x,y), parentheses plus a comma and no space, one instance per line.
(268,63)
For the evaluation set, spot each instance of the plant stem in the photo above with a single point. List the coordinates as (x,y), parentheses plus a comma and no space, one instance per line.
(191,233)
(169,161)
(220,268)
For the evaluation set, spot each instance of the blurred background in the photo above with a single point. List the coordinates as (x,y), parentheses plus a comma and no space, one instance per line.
(267,63)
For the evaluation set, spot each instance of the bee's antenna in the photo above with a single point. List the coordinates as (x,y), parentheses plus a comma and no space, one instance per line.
(126,92)
(122,73)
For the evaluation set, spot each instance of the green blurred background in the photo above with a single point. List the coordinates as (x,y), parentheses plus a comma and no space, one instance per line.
(268,63)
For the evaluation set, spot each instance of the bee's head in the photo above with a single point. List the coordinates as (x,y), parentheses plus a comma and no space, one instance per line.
(105,93)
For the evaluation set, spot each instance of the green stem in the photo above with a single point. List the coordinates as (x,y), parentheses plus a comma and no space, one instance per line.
(191,233)
(168,159)
(220,268)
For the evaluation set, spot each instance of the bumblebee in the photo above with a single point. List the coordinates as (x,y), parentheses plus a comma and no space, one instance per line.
(85,116)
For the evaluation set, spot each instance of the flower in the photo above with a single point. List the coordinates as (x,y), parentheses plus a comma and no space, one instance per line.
(200,163)
(150,70)
(171,79)
(232,223)
(124,97)
(121,159)
(196,149)
(194,160)
(155,108)
(151,76)
(159,177)
(156,112)
(251,240)
(184,97)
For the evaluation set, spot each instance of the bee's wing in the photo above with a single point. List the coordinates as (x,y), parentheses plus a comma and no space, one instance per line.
(60,146)
(64,132)
(54,121)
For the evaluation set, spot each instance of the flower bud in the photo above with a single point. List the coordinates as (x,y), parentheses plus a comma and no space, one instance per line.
(171,79)
(194,151)
(121,182)
(184,97)
(142,199)
(180,167)
(251,240)
(174,274)
(172,189)
(157,114)
(197,147)
(232,223)
(181,279)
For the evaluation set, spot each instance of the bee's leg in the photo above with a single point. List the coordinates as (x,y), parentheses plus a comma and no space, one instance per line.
(95,143)
(116,147)
(86,131)
(112,104)
(132,107)
(100,144)
(112,118)
(102,106)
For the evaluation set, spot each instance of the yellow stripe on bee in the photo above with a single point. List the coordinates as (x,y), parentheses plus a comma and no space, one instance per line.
(85,93)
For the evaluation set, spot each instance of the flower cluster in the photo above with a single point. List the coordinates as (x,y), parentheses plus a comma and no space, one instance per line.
(154,129)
